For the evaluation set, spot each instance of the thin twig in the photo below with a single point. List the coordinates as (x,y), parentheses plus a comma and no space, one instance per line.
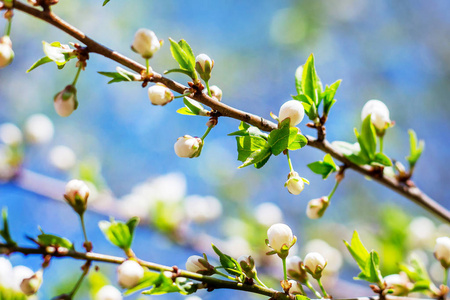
(411,192)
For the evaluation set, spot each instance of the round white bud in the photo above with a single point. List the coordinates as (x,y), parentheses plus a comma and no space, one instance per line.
(39,129)
(77,194)
(204,65)
(294,184)
(188,146)
(108,292)
(315,263)
(316,207)
(280,237)
(129,274)
(159,94)
(65,102)
(293,110)
(442,251)
(216,92)
(145,43)
(296,288)
(6,51)
(10,134)
(29,286)
(379,113)
(198,264)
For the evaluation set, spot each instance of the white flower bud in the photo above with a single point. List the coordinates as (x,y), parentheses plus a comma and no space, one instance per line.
(314,264)
(293,110)
(399,283)
(280,238)
(145,43)
(317,207)
(294,184)
(442,251)
(216,92)
(379,114)
(65,102)
(159,94)
(39,129)
(204,65)
(108,292)
(296,269)
(129,274)
(296,288)
(77,194)
(247,264)
(10,134)
(188,146)
(6,51)
(62,158)
(198,264)
(30,286)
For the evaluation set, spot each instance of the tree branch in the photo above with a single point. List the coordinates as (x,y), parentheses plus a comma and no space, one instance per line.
(412,193)
(211,282)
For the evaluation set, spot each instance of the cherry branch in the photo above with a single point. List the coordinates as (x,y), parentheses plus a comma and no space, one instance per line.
(409,191)
(209,282)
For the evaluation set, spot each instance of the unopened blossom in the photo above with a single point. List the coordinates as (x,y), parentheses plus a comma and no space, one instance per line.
(108,292)
(442,251)
(188,146)
(204,65)
(399,283)
(145,43)
(29,286)
(247,264)
(293,110)
(10,134)
(159,94)
(129,273)
(6,51)
(314,264)
(295,183)
(280,239)
(39,129)
(379,114)
(296,269)
(316,207)
(198,264)
(77,194)
(333,255)
(296,288)
(65,102)
(216,92)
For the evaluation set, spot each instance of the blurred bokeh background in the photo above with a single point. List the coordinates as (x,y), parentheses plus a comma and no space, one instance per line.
(398,52)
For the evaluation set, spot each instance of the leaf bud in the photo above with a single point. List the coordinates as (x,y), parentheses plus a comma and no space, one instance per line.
(247,264)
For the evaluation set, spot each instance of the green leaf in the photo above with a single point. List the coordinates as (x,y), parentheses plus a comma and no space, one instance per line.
(330,92)
(416,270)
(382,159)
(54,240)
(117,77)
(146,282)
(188,50)
(246,145)
(279,138)
(119,233)
(301,297)
(247,130)
(182,71)
(325,167)
(368,138)
(298,142)
(308,105)
(10,294)
(309,80)
(40,62)
(4,233)
(184,56)
(227,262)
(163,285)
(260,155)
(185,111)
(415,150)
(372,270)
(105,2)
(194,106)
(358,251)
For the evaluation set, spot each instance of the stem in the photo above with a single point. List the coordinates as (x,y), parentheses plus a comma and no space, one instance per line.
(291,169)
(84,229)
(80,280)
(181,96)
(206,132)
(147,65)
(333,190)
(8,27)
(445,281)
(322,288)
(207,87)
(316,293)
(284,268)
(225,275)
(76,76)
(413,193)
(381,143)
(260,282)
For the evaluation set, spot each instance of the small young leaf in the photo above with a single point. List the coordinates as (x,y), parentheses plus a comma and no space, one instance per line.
(260,155)
(358,251)
(247,130)
(40,62)
(382,159)
(298,142)
(146,282)
(184,56)
(194,106)
(309,80)
(246,145)
(325,167)
(54,240)
(185,111)
(227,262)
(415,150)
(118,232)
(105,2)
(308,105)
(279,138)
(4,233)
(330,92)
(368,138)
(116,76)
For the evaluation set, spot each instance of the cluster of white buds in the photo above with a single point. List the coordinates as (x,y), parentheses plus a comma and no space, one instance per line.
(159,94)
(6,51)
(77,194)
(188,146)
(296,269)
(295,184)
(66,102)
(247,264)
(293,110)
(280,239)
(204,65)
(316,207)
(442,251)
(31,285)
(108,292)
(379,115)
(145,43)
(399,283)
(129,274)
(216,92)
(314,264)
(198,264)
